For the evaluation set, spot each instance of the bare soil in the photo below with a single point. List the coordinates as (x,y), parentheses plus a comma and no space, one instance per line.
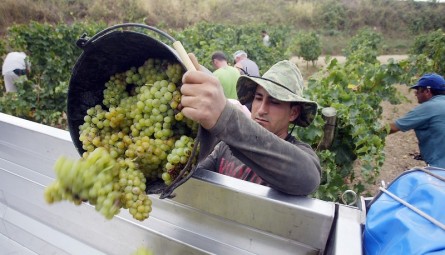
(401,147)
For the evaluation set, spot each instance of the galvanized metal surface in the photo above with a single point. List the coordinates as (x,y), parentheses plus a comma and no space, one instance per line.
(211,214)
(346,231)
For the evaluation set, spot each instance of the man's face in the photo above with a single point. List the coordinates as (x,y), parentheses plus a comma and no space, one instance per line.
(217,63)
(273,114)
(423,95)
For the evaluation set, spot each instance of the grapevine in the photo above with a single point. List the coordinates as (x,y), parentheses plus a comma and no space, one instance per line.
(137,135)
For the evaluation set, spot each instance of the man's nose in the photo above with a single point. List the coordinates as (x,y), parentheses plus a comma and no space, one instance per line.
(264,108)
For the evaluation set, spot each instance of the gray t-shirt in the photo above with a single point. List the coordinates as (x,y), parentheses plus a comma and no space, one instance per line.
(249,67)
(250,152)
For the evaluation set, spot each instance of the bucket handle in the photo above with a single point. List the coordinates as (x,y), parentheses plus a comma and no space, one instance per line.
(177,45)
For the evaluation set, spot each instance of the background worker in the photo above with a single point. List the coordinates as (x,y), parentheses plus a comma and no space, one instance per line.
(15,65)
(266,38)
(245,65)
(258,148)
(427,119)
(227,75)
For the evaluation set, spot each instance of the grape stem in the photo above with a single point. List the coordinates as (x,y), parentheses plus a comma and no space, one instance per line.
(181,179)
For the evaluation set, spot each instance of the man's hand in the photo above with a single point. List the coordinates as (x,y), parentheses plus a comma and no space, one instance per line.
(393,128)
(203,98)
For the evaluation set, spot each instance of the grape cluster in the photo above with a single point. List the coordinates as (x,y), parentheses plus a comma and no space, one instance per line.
(142,251)
(87,179)
(143,133)
(178,157)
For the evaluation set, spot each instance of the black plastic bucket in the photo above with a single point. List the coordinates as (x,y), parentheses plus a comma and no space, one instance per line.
(110,51)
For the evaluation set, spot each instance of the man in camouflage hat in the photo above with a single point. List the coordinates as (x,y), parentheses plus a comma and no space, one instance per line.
(257,149)
(282,82)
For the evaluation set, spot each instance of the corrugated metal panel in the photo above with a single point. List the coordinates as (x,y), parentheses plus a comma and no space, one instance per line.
(211,214)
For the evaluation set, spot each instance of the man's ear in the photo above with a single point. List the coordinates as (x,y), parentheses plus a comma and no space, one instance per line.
(295,111)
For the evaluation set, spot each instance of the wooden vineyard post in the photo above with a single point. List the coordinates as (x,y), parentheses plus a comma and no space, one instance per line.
(330,116)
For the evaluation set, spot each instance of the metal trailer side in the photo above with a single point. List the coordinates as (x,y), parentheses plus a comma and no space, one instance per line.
(211,214)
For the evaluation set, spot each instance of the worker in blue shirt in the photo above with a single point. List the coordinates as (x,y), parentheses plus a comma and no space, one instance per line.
(427,119)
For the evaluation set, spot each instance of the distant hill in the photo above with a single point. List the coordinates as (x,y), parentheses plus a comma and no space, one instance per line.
(334,20)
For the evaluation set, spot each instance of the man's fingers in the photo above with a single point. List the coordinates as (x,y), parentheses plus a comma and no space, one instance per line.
(192,78)
(194,61)
(190,111)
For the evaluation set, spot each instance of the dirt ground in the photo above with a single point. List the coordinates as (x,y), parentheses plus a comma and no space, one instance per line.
(400,147)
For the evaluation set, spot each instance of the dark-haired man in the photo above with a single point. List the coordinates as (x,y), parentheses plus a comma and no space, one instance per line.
(258,149)
(227,75)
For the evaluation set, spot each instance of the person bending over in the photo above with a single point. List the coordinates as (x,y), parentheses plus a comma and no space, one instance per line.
(427,119)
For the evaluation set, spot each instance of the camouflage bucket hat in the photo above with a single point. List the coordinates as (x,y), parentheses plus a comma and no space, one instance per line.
(284,82)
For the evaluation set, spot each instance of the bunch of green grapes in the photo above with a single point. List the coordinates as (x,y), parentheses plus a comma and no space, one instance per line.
(89,179)
(132,184)
(177,158)
(141,128)
(116,90)
(142,251)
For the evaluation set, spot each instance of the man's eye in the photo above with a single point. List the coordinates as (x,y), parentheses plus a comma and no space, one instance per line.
(275,102)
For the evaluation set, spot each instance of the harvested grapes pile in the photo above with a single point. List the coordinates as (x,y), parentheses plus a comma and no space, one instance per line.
(135,137)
